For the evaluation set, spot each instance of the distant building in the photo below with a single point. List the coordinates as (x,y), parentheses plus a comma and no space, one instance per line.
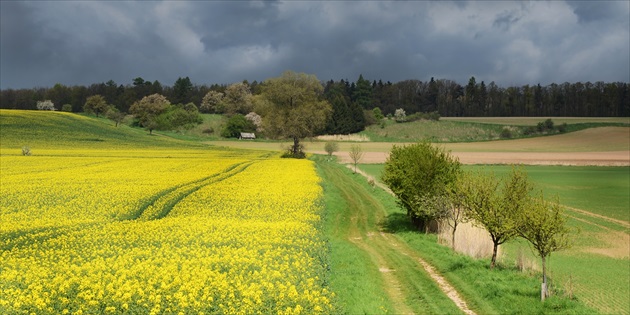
(247,136)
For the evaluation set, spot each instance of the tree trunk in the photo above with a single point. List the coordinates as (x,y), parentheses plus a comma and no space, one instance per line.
(494,255)
(453,236)
(543,287)
(296,145)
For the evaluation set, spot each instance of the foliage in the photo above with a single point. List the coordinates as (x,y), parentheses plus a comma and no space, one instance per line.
(362,94)
(356,153)
(96,105)
(45,105)
(331,147)
(400,115)
(66,108)
(179,117)
(543,225)
(292,106)
(182,90)
(447,97)
(417,172)
(378,115)
(496,210)
(212,103)
(347,117)
(237,99)
(256,120)
(148,109)
(115,115)
(237,124)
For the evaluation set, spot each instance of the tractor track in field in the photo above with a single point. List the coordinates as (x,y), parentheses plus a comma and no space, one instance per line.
(412,284)
(160,205)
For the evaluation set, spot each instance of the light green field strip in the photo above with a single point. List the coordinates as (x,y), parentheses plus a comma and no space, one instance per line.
(532,121)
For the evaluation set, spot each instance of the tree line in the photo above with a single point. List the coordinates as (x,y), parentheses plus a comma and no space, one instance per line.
(350,99)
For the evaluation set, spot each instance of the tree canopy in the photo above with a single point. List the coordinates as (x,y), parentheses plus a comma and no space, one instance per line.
(293,107)
(417,172)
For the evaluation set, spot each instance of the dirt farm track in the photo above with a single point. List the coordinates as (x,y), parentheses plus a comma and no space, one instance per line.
(619,158)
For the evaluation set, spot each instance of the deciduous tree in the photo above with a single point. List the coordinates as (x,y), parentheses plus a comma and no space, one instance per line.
(45,105)
(115,115)
(237,99)
(292,106)
(496,210)
(148,109)
(543,225)
(331,147)
(356,153)
(212,102)
(96,104)
(417,172)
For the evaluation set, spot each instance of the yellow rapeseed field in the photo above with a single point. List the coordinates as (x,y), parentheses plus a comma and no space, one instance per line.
(160,231)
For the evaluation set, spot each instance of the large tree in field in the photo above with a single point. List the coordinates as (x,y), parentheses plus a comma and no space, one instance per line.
(148,109)
(293,106)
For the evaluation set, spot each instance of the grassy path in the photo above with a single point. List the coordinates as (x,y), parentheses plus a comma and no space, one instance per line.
(407,280)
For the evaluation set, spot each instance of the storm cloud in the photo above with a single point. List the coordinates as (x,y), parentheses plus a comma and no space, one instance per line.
(511,43)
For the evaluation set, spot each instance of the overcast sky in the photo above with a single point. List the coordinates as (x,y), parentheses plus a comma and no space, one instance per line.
(511,43)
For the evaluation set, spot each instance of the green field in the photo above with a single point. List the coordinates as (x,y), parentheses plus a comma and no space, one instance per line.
(449,130)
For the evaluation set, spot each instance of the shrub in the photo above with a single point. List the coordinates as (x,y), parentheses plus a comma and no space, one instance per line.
(377,113)
(237,124)
(370,119)
(331,147)
(529,131)
(549,124)
(45,105)
(506,133)
(66,108)
(400,115)
(562,128)
(419,171)
(435,116)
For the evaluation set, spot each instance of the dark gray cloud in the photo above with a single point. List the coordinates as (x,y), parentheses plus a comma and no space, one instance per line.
(84,42)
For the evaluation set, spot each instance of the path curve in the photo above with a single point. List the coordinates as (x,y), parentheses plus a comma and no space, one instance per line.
(444,285)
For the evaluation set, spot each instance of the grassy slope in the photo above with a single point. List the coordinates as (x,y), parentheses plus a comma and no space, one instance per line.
(601,281)
(67,130)
(451,130)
